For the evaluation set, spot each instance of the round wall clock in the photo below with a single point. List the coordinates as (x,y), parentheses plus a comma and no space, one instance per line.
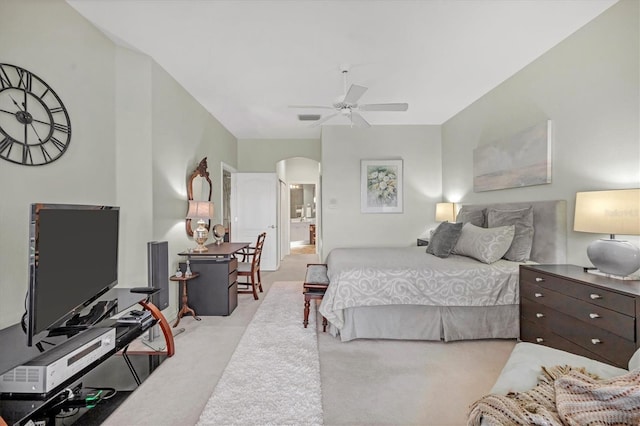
(34,124)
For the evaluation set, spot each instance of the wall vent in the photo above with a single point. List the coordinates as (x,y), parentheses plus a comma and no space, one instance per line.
(308,117)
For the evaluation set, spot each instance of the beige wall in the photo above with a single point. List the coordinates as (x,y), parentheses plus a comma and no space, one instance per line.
(343,225)
(588,85)
(136,136)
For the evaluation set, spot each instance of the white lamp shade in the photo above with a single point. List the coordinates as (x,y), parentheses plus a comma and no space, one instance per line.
(445,212)
(200,210)
(608,212)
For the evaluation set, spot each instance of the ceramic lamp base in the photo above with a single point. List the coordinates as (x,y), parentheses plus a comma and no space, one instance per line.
(616,257)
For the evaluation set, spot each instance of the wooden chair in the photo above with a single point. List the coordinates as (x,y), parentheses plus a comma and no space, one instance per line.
(249,266)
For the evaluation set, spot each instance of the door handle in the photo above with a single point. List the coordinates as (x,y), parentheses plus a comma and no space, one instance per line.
(272,226)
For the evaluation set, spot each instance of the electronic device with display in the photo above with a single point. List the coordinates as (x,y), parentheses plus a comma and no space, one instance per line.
(73,260)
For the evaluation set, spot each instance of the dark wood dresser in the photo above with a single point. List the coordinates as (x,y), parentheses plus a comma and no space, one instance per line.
(563,307)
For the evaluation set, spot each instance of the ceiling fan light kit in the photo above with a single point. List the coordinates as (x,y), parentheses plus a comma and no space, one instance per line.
(347,105)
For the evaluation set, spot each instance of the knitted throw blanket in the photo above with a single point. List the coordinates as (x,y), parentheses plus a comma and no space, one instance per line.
(564,396)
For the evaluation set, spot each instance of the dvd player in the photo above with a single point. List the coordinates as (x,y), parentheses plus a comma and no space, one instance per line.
(51,369)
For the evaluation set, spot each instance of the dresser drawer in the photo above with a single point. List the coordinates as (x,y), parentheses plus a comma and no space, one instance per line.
(233,264)
(233,277)
(589,313)
(534,333)
(583,291)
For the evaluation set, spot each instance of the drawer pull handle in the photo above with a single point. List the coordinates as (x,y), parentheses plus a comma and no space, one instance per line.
(539,315)
(594,316)
(537,294)
(539,280)
(539,339)
(595,341)
(595,296)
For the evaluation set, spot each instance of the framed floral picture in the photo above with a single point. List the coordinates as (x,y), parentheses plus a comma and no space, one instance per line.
(381,186)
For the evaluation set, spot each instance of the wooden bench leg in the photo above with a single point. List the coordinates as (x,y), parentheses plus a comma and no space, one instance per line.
(307,303)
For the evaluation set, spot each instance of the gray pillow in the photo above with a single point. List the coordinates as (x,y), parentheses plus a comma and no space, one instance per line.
(444,239)
(522,219)
(484,244)
(477,217)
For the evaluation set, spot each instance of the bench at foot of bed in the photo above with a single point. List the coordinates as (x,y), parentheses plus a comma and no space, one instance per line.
(315,285)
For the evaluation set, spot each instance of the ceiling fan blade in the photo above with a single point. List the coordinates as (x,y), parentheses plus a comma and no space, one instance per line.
(384,107)
(322,120)
(359,120)
(311,106)
(354,93)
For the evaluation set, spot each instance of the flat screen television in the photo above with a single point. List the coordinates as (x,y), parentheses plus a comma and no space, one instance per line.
(73,260)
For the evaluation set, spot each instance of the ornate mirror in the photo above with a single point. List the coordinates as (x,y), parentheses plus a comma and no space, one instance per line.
(199,188)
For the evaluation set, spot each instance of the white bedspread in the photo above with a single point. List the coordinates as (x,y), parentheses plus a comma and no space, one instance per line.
(410,276)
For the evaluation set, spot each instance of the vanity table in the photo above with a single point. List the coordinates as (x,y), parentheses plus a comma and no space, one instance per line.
(215,290)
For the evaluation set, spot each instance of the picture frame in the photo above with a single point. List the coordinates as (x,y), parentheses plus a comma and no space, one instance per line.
(381,189)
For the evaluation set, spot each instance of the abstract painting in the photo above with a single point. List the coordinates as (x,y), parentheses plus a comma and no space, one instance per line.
(523,159)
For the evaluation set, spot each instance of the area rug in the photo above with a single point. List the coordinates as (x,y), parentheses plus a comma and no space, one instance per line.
(273,377)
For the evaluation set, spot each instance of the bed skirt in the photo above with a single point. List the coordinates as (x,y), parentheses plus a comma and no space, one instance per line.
(414,322)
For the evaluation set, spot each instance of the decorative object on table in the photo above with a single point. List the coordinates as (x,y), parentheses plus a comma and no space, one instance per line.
(203,211)
(188,272)
(610,212)
(178,273)
(218,233)
(445,212)
(381,186)
(35,123)
(523,159)
(199,188)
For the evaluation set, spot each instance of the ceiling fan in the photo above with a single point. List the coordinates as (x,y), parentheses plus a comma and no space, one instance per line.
(347,104)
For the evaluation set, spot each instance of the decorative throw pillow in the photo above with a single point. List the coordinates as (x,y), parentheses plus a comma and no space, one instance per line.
(484,244)
(522,219)
(444,239)
(477,217)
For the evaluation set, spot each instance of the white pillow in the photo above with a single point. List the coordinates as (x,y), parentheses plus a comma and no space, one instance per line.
(484,244)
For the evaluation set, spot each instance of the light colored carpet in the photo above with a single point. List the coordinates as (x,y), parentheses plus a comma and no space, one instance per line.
(364,382)
(273,377)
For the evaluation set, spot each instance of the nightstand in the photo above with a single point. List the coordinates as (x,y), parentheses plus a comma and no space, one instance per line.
(566,308)
(423,242)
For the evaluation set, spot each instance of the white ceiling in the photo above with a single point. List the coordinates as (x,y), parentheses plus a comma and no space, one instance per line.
(246,61)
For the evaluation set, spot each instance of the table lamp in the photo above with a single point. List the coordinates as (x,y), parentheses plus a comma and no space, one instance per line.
(610,212)
(445,212)
(203,211)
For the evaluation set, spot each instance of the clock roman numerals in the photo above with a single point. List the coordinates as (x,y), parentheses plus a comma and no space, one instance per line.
(61,128)
(26,79)
(5,146)
(34,124)
(5,81)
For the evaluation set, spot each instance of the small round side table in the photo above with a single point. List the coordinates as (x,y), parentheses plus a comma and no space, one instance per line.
(185,299)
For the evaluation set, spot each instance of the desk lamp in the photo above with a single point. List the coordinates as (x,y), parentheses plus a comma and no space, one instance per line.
(610,212)
(203,211)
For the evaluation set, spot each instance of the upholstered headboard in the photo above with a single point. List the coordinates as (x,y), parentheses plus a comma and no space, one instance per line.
(549,224)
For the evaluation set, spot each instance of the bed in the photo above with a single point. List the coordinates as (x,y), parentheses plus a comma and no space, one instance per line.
(405,293)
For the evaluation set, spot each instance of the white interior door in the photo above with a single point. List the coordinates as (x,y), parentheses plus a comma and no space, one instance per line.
(254,209)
